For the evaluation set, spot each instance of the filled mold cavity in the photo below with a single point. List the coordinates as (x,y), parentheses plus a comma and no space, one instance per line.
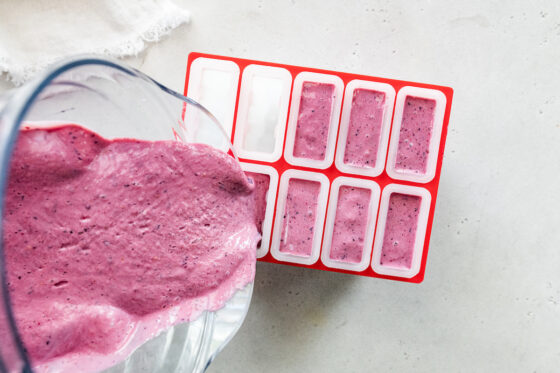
(262,184)
(364,128)
(314,119)
(350,224)
(415,135)
(299,217)
(265,180)
(400,231)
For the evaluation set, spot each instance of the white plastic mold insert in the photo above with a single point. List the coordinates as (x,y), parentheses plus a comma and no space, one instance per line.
(212,83)
(414,147)
(398,247)
(300,215)
(369,103)
(262,112)
(266,228)
(312,127)
(362,217)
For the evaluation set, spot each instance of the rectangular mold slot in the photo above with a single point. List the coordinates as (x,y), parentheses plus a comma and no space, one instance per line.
(263,109)
(401,229)
(300,214)
(350,224)
(313,121)
(416,133)
(364,127)
(213,84)
(266,184)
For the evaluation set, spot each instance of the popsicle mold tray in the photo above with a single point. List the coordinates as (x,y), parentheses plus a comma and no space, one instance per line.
(346,166)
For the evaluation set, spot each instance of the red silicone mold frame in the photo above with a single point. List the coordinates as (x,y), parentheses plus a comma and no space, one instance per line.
(331,172)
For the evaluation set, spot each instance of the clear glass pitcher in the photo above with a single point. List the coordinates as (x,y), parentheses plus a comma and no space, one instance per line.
(116,101)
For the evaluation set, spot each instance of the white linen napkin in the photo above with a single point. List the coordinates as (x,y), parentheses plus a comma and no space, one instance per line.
(35,33)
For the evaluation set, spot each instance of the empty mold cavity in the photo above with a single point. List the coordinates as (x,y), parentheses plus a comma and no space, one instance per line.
(350,224)
(213,84)
(262,113)
(364,127)
(313,122)
(300,214)
(416,134)
(401,230)
(265,179)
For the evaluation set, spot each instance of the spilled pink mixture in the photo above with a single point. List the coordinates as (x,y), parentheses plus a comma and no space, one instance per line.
(100,235)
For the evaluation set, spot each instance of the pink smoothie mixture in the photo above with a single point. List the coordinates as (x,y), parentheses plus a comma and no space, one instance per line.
(350,224)
(364,129)
(400,231)
(298,221)
(314,119)
(262,183)
(103,236)
(415,135)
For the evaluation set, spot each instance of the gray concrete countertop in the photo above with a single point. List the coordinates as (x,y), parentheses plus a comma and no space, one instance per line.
(490,301)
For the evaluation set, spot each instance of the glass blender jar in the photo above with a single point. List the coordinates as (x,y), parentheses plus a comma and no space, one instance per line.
(116,101)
